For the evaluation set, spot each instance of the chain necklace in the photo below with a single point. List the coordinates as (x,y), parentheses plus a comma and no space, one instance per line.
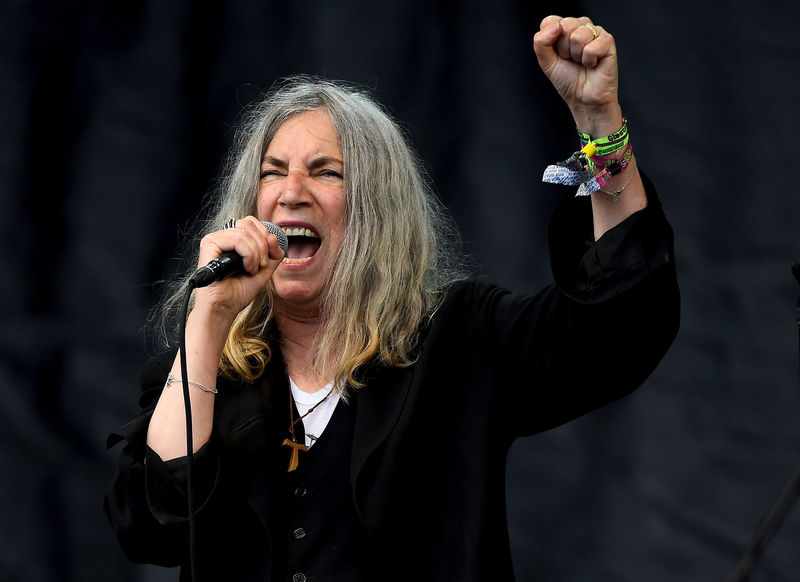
(292,443)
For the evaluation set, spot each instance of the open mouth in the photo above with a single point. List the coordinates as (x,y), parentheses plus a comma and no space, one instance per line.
(303,244)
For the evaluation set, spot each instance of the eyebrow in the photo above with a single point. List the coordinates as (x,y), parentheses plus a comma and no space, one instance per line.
(273,161)
(315,163)
(324,161)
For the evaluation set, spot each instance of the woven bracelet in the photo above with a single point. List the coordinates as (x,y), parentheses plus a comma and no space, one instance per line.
(610,143)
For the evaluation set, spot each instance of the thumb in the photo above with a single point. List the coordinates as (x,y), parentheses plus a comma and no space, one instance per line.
(543,42)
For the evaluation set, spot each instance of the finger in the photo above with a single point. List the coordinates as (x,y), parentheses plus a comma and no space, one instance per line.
(276,253)
(596,50)
(258,235)
(588,49)
(543,42)
(271,250)
(214,244)
(569,25)
(246,246)
(549,21)
(580,38)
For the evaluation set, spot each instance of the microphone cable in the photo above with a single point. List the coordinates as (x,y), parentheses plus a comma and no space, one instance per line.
(189,437)
(226,264)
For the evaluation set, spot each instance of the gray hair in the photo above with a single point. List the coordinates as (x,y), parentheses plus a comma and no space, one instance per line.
(399,252)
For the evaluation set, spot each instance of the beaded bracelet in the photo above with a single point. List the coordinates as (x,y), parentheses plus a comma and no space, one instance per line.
(171,379)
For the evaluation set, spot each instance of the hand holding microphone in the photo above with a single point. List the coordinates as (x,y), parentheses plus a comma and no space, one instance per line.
(241,259)
(231,262)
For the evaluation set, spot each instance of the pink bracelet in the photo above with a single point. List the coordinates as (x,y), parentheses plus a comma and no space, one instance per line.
(609,162)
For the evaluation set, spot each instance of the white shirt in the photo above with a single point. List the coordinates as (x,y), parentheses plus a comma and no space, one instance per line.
(316,421)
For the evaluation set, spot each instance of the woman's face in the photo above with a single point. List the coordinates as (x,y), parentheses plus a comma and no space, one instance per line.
(301,189)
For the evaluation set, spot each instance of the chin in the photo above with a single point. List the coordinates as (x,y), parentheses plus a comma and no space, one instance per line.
(295,293)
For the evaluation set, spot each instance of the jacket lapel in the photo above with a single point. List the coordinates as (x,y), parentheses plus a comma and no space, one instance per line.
(257,421)
(378,410)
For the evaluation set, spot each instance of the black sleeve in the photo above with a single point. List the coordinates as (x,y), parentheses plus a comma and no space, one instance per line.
(595,334)
(147,505)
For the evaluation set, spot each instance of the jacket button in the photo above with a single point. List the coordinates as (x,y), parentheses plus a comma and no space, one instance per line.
(299,577)
(300,492)
(299,534)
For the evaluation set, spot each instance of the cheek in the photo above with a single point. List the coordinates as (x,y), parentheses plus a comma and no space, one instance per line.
(337,225)
(337,209)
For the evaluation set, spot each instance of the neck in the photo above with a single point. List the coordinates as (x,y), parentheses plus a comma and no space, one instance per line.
(298,342)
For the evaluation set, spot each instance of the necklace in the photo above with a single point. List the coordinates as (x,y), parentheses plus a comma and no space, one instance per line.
(292,443)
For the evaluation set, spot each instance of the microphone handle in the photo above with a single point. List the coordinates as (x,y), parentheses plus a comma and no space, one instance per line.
(230,262)
(217,269)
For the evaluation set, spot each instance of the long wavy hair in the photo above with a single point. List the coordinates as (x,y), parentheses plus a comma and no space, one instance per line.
(400,250)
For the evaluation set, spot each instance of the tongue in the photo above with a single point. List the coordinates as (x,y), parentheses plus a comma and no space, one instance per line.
(301,247)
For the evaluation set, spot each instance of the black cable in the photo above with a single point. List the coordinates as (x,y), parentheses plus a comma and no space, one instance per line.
(777,513)
(189,440)
(226,264)
(768,527)
(796,273)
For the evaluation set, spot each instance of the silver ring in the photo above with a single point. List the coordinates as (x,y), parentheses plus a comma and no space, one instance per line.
(230,223)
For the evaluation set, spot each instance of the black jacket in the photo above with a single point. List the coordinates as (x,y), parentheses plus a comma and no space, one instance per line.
(430,440)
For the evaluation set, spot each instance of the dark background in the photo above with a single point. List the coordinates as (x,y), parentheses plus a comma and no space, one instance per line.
(115,116)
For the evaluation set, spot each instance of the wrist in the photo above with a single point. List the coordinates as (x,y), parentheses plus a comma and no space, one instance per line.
(597,121)
(210,321)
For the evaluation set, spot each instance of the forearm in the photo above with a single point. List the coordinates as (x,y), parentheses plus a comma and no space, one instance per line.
(206,333)
(624,194)
(610,208)
(207,327)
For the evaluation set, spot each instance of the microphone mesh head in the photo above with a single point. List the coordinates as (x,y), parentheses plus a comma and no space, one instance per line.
(283,241)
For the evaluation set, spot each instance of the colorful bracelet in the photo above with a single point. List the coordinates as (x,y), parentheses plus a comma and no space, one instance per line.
(591,168)
(575,170)
(598,162)
(610,143)
(610,167)
(614,137)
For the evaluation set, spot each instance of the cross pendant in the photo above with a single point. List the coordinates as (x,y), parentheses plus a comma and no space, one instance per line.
(295,458)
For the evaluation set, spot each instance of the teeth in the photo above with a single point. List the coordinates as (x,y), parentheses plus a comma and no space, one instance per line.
(300,260)
(299,231)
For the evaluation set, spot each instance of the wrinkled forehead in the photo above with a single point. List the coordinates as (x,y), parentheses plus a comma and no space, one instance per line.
(291,118)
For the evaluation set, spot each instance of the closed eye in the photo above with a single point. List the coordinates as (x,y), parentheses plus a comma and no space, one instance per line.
(269,173)
(330,174)
(326,167)
(272,166)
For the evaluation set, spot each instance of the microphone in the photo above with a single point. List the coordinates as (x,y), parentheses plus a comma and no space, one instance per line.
(230,263)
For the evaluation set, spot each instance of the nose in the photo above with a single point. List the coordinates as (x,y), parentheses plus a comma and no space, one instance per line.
(294,193)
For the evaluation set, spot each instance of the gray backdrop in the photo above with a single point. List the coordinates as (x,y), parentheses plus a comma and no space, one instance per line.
(114,117)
